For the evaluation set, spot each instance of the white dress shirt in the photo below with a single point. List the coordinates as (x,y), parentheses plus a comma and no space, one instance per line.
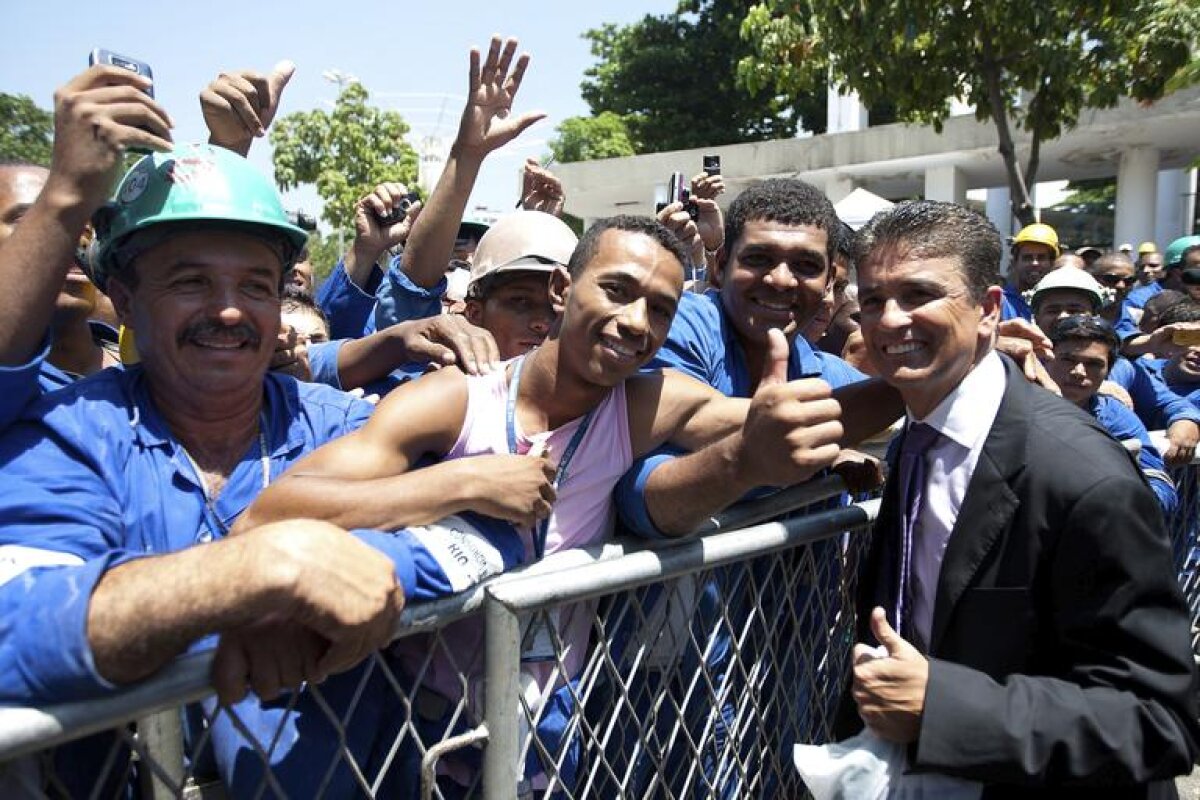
(963,419)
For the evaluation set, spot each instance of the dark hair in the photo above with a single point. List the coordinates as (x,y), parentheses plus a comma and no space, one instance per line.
(482,289)
(1162,301)
(931,229)
(1186,311)
(787,200)
(1087,328)
(1106,262)
(585,251)
(297,299)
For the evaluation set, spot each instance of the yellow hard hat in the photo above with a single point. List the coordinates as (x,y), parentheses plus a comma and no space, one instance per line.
(1147,247)
(1038,233)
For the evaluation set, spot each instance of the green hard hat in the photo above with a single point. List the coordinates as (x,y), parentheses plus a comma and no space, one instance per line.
(192,183)
(1174,254)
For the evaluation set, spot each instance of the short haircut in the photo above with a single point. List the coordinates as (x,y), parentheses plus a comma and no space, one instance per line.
(787,200)
(1087,328)
(1108,261)
(1186,311)
(931,229)
(586,250)
(296,300)
(1162,301)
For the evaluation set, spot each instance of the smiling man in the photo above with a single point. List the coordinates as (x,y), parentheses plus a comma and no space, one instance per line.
(1020,575)
(578,405)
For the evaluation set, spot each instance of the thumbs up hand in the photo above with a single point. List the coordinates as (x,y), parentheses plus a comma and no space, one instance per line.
(239,106)
(792,428)
(890,692)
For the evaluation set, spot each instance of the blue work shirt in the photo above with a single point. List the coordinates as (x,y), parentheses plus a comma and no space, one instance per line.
(1155,403)
(93,478)
(703,343)
(1138,295)
(1123,424)
(348,307)
(1013,305)
(1125,326)
(323,362)
(354,311)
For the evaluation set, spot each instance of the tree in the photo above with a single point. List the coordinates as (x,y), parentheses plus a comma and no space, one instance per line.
(27,131)
(1036,64)
(344,153)
(585,138)
(672,78)
(324,252)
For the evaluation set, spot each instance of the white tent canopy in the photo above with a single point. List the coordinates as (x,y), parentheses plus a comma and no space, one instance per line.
(857,208)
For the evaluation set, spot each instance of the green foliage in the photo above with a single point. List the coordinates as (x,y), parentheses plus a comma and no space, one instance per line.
(26,131)
(585,138)
(672,78)
(1097,196)
(344,153)
(324,252)
(1039,63)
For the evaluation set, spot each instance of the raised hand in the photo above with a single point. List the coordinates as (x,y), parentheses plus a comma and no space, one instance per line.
(486,123)
(99,115)
(239,106)
(792,428)
(372,234)
(541,190)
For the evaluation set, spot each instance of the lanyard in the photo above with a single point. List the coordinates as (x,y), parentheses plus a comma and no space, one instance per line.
(560,474)
(210,503)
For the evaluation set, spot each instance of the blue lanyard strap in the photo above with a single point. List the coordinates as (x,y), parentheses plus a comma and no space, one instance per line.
(560,473)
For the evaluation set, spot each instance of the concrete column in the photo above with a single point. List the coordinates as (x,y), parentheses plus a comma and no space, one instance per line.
(845,112)
(999,212)
(837,187)
(947,184)
(1137,192)
(1173,189)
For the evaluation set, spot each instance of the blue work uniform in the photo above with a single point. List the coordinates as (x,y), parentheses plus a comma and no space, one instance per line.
(1123,424)
(1138,295)
(1153,400)
(1013,305)
(323,362)
(1190,391)
(354,311)
(1125,326)
(703,344)
(93,479)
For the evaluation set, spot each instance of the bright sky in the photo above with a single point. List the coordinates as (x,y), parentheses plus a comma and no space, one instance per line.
(411,56)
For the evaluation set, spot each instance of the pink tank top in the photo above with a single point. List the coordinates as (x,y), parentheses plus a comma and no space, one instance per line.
(583,514)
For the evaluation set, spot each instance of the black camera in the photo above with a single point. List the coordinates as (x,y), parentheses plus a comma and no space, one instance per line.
(678,192)
(399,210)
(712,165)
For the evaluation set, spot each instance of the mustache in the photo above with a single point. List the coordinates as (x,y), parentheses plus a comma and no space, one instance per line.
(207,328)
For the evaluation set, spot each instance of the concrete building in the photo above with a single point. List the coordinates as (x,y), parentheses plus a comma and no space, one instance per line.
(1148,149)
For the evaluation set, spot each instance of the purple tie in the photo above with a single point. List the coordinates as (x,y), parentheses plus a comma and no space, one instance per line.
(917,441)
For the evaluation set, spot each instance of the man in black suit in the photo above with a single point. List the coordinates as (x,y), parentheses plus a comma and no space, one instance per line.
(1042,641)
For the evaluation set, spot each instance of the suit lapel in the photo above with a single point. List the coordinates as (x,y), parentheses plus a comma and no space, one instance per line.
(989,504)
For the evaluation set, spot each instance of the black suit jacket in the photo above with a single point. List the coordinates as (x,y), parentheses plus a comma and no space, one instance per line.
(1060,646)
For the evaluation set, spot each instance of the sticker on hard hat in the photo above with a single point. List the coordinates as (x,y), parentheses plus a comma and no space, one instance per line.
(135,185)
(184,171)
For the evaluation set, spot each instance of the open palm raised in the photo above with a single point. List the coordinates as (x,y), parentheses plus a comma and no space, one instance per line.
(486,122)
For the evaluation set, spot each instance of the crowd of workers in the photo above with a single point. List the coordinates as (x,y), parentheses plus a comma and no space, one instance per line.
(200,452)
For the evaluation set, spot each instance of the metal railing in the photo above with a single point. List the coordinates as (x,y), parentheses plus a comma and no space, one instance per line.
(635,669)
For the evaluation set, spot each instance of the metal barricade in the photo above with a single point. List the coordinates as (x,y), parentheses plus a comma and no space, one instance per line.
(632,669)
(674,669)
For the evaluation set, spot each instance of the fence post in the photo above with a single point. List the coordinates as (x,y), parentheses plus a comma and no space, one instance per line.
(162,738)
(501,707)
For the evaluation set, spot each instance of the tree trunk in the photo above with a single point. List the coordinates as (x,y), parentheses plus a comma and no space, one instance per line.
(1022,208)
